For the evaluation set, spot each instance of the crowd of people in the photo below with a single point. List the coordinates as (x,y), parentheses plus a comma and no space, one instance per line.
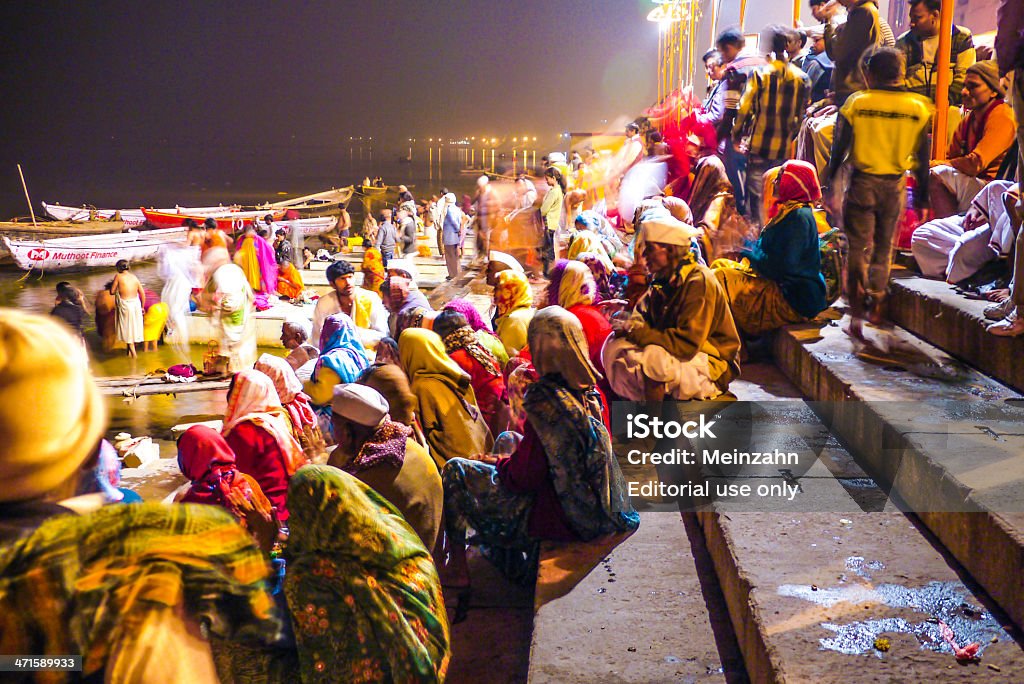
(349,476)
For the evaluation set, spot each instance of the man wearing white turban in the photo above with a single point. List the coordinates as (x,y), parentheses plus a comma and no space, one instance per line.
(681,341)
(382,453)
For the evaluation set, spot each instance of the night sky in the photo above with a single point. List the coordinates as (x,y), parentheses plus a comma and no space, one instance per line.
(102,93)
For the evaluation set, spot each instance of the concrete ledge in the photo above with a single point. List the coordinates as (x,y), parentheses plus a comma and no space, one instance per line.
(932,309)
(636,614)
(942,435)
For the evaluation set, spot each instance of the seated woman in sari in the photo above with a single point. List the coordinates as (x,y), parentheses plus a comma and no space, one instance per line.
(563,482)
(611,284)
(289,280)
(464,348)
(714,210)
(577,292)
(481,327)
(452,422)
(209,463)
(301,416)
(393,384)
(588,241)
(513,303)
(342,358)
(779,280)
(257,430)
(363,592)
(126,586)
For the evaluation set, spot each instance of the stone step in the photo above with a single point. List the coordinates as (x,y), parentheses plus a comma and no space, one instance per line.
(812,596)
(808,590)
(948,440)
(933,310)
(632,613)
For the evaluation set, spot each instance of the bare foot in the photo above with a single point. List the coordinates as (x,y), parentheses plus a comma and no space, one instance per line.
(855,329)
(1000,295)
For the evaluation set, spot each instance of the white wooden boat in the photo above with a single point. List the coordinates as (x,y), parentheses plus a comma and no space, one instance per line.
(132,218)
(90,251)
(326,203)
(310,227)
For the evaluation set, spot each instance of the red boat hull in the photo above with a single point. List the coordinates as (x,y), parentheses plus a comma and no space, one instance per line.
(229,224)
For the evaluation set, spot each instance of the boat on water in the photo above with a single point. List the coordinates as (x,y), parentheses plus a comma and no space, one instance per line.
(373,190)
(90,251)
(58,229)
(319,204)
(228,221)
(132,218)
(310,227)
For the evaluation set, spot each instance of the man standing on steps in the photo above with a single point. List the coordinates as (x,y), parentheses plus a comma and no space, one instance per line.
(486,206)
(129,297)
(453,232)
(885,130)
(387,237)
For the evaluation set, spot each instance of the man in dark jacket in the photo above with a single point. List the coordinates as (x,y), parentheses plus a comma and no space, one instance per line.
(920,45)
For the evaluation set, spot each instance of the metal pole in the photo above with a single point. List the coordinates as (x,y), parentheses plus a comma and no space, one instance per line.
(796,13)
(715,8)
(942,82)
(743,13)
(27,198)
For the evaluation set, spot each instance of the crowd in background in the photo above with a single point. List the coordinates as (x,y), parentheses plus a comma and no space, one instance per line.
(348,477)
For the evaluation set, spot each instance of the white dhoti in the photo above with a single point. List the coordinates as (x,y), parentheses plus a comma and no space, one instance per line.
(963,187)
(128,320)
(943,249)
(627,366)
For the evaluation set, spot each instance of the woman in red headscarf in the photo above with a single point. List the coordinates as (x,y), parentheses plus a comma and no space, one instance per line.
(207,460)
(256,429)
(779,281)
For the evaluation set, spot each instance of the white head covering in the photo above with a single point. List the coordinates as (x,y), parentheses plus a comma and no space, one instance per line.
(507,259)
(450,198)
(360,404)
(406,265)
(658,225)
(556,158)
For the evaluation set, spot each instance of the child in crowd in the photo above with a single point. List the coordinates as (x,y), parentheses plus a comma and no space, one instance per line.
(881,129)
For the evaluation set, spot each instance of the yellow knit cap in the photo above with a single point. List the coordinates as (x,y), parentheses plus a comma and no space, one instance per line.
(51,412)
